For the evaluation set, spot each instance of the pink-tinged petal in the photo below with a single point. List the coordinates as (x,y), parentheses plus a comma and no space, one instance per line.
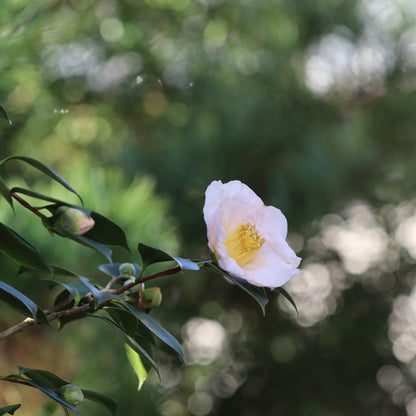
(273,266)
(273,224)
(230,205)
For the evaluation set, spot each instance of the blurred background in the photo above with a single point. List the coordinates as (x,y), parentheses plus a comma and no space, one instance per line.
(140,105)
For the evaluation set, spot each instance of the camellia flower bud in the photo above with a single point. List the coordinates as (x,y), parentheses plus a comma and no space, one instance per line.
(151,297)
(127,270)
(71,394)
(72,220)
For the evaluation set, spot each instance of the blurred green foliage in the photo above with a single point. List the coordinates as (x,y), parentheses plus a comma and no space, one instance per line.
(139,105)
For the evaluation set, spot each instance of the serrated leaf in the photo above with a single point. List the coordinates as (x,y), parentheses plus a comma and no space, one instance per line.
(9,409)
(3,115)
(151,255)
(43,377)
(19,249)
(44,169)
(288,297)
(156,329)
(110,404)
(18,300)
(112,269)
(6,193)
(257,293)
(137,365)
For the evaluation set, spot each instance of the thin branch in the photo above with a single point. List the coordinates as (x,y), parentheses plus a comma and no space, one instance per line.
(27,205)
(54,312)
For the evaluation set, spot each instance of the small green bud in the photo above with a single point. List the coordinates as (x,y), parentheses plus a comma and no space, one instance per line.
(151,297)
(72,220)
(71,394)
(126,270)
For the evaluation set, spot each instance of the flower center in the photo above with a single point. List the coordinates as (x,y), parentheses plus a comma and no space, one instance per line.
(243,243)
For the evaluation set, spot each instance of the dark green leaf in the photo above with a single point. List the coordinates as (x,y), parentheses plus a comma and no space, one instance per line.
(151,255)
(43,377)
(44,169)
(132,343)
(18,300)
(257,293)
(110,404)
(156,329)
(43,389)
(112,269)
(3,115)
(19,249)
(9,409)
(288,297)
(107,232)
(37,195)
(6,193)
(100,296)
(76,289)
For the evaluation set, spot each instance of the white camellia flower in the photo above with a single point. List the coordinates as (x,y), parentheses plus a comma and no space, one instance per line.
(247,237)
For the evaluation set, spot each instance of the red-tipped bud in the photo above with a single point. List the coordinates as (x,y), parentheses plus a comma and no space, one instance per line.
(72,220)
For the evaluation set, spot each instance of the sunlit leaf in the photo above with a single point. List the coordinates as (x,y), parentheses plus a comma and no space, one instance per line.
(44,169)
(9,409)
(137,365)
(151,255)
(110,404)
(19,249)
(156,329)
(257,293)
(131,342)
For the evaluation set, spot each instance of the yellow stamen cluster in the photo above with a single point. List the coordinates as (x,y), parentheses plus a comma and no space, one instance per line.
(243,243)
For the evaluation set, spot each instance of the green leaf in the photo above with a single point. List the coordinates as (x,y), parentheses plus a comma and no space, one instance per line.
(37,195)
(6,193)
(257,293)
(131,342)
(107,232)
(43,389)
(156,329)
(9,409)
(151,255)
(19,249)
(44,169)
(76,289)
(110,404)
(137,365)
(100,296)
(112,269)
(43,377)
(3,115)
(288,297)
(18,300)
